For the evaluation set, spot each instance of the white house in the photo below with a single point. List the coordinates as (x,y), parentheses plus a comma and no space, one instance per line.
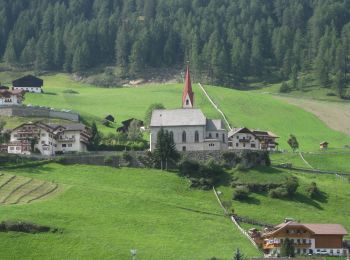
(28,83)
(49,139)
(11,97)
(243,138)
(190,129)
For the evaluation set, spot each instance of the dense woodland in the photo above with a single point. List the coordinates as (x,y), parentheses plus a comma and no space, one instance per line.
(226,41)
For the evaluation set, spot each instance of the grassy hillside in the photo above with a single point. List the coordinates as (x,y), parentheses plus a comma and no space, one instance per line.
(105,212)
(95,103)
(260,111)
(328,208)
(332,161)
(251,109)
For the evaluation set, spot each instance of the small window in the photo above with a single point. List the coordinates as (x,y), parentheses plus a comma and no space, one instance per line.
(171,135)
(64,145)
(184,148)
(184,137)
(69,145)
(252,145)
(210,135)
(43,134)
(196,137)
(236,144)
(223,138)
(12,148)
(217,135)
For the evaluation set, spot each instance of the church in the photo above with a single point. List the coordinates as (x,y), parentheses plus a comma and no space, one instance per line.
(188,126)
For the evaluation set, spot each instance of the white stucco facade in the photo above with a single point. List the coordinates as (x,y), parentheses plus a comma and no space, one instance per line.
(29,89)
(243,141)
(51,140)
(190,129)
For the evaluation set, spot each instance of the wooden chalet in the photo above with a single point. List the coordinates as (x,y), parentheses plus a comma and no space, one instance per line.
(319,239)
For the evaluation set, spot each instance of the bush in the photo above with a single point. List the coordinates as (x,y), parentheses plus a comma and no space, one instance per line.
(313,191)
(279,192)
(127,158)
(108,160)
(147,160)
(230,159)
(291,185)
(241,193)
(189,168)
(284,88)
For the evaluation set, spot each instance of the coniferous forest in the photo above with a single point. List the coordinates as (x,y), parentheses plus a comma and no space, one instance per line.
(226,41)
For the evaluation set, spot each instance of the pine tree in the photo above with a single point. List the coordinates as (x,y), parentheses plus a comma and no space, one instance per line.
(165,150)
(10,56)
(28,53)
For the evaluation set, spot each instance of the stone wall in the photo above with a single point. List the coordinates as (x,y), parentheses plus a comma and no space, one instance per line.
(25,111)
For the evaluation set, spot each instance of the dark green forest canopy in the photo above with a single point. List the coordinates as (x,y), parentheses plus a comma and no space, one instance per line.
(225,40)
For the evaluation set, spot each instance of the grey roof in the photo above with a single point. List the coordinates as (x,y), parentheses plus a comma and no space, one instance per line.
(178,117)
(239,130)
(74,127)
(215,125)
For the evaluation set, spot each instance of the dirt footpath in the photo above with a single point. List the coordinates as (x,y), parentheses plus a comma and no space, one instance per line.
(335,114)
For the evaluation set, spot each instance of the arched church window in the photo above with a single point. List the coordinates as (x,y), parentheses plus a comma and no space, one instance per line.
(184,137)
(196,137)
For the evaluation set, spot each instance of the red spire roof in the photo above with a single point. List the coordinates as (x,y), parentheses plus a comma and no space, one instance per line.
(187,89)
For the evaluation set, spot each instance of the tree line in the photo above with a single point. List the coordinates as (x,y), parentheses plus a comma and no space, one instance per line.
(227,41)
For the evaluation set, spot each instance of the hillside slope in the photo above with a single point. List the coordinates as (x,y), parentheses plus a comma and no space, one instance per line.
(106,212)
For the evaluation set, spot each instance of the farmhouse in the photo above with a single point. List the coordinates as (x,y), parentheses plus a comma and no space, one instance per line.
(267,140)
(49,139)
(243,138)
(11,97)
(324,239)
(190,129)
(28,83)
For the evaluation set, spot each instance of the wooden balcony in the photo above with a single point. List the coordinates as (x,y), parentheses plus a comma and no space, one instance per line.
(271,245)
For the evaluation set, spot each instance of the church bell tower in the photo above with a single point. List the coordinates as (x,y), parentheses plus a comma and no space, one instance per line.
(188,95)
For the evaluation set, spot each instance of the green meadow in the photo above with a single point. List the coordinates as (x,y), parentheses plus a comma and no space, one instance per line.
(328,161)
(104,212)
(261,111)
(329,207)
(242,108)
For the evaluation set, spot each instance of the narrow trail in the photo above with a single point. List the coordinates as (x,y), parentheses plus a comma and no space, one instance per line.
(306,162)
(234,221)
(215,106)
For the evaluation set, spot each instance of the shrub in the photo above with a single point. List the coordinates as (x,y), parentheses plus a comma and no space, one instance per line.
(284,88)
(108,160)
(291,185)
(147,160)
(230,159)
(312,190)
(241,193)
(279,192)
(189,168)
(127,158)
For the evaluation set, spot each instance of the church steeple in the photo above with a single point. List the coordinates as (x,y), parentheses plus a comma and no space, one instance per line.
(188,95)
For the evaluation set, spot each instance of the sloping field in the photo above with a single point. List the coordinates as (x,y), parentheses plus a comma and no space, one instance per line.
(260,111)
(251,109)
(331,206)
(18,190)
(106,212)
(123,103)
(335,114)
